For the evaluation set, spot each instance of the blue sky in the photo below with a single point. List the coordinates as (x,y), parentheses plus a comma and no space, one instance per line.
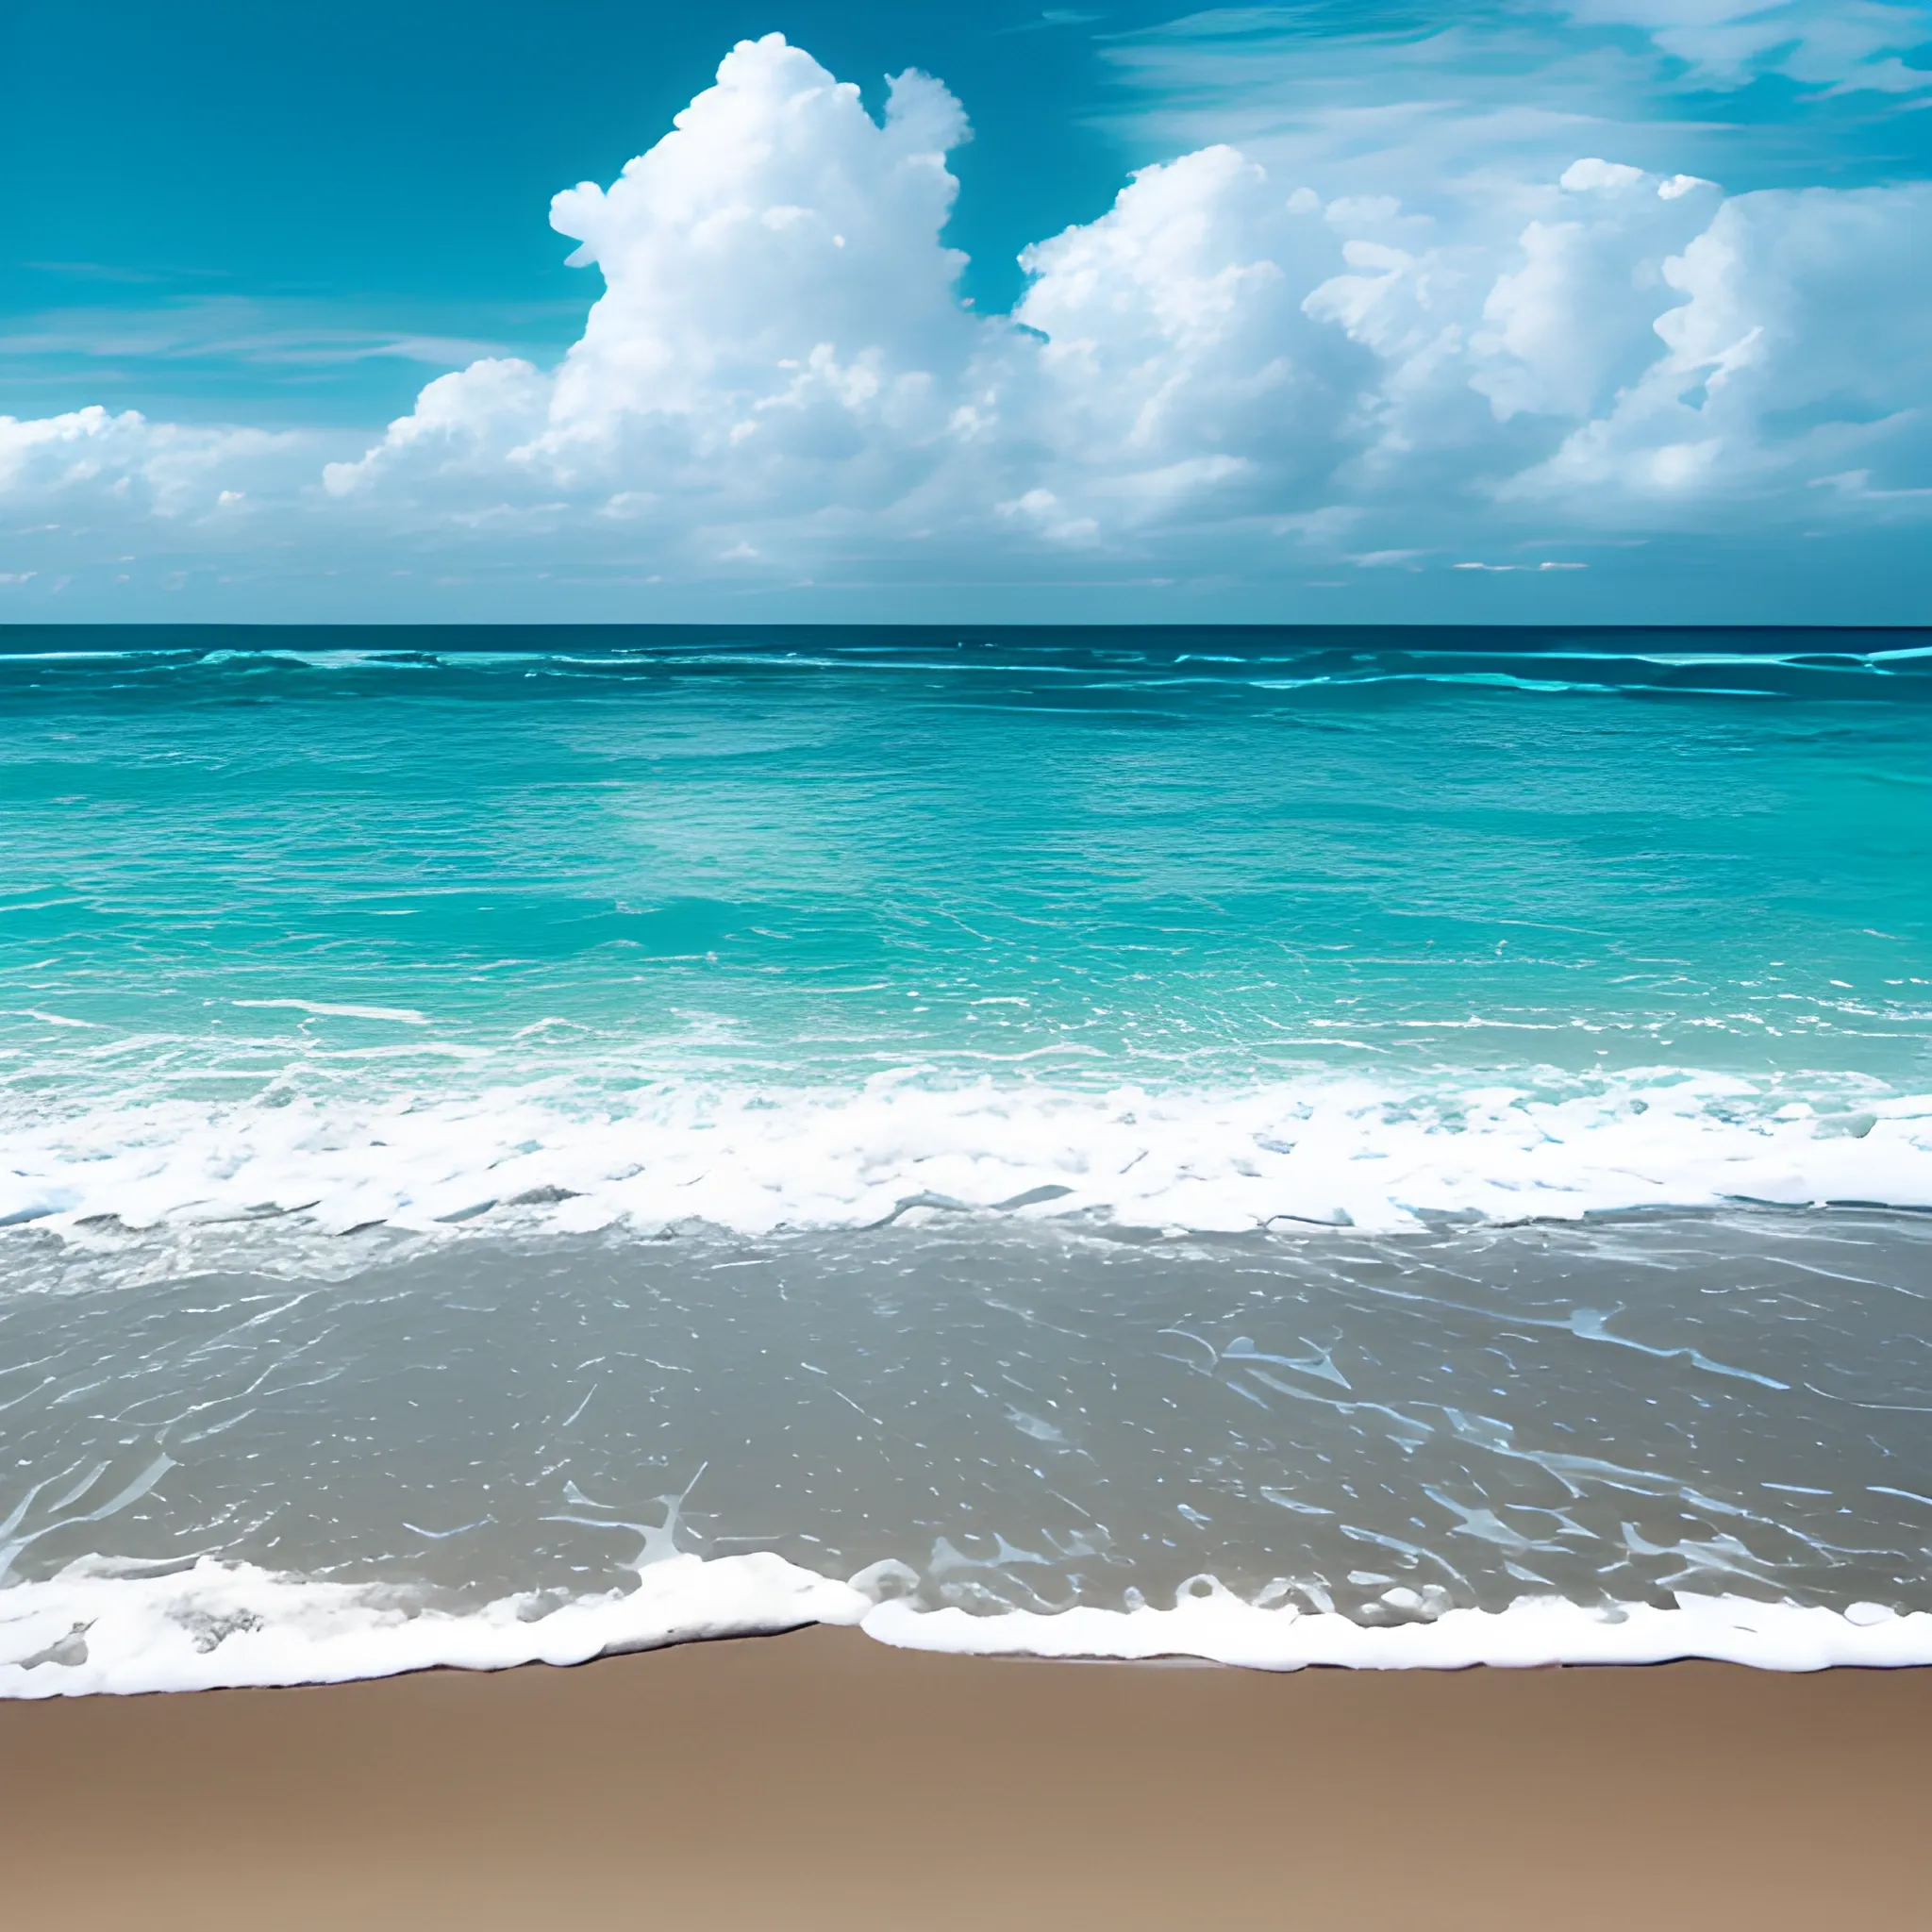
(262,198)
(1608,309)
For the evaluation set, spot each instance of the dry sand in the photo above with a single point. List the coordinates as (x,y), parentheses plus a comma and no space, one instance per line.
(821,1780)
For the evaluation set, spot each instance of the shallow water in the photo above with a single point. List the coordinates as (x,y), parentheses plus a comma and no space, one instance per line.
(1022,1416)
(1031,1119)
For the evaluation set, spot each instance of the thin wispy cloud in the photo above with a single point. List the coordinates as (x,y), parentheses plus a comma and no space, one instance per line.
(224,328)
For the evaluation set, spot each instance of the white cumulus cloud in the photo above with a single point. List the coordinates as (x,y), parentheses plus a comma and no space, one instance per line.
(779,334)
(92,460)
(1799,344)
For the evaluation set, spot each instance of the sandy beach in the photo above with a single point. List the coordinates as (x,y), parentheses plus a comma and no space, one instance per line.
(820,1780)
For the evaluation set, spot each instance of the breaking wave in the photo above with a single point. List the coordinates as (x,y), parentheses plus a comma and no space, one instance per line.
(1343,1153)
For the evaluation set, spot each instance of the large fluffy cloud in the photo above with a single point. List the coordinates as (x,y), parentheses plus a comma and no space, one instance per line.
(1230,366)
(1642,343)
(780,341)
(781,358)
(780,332)
(1800,347)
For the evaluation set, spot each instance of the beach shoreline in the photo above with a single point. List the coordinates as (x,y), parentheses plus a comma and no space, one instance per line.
(819,1779)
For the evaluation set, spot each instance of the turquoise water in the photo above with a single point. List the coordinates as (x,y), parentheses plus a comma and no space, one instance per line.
(801,855)
(1364,1128)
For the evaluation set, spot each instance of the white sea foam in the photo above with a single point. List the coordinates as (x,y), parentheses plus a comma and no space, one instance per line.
(221,1625)
(1209,1622)
(92,1631)
(1340,1152)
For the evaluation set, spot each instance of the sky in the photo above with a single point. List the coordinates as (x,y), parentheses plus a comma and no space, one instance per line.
(1528,312)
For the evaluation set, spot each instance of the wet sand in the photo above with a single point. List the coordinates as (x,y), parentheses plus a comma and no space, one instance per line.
(821,1780)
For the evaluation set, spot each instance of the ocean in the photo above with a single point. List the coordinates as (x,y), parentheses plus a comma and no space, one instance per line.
(1305,1145)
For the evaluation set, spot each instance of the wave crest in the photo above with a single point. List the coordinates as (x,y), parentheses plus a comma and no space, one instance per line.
(1334,1153)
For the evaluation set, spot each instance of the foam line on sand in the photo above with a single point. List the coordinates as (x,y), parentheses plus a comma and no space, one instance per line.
(229,1625)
